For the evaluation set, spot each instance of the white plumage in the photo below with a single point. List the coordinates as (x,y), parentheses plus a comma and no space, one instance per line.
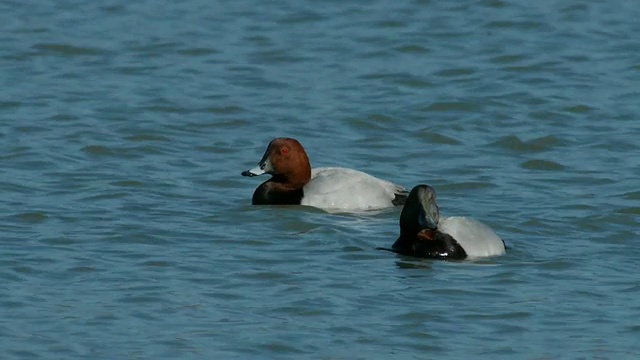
(342,189)
(476,238)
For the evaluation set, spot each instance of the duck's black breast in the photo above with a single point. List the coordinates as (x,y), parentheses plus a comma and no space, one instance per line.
(273,193)
(432,244)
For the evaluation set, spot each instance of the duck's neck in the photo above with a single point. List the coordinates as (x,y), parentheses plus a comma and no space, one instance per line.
(276,193)
(291,181)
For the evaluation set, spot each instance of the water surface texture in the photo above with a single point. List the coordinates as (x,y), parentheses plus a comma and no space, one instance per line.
(127,231)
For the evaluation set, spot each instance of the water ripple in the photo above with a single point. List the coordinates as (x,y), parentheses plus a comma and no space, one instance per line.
(128,231)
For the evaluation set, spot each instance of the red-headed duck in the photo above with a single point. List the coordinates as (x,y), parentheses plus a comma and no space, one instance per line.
(293,182)
(424,234)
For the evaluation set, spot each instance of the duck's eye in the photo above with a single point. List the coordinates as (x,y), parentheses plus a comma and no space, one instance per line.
(284,151)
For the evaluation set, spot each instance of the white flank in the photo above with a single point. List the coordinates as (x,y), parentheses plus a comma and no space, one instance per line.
(476,238)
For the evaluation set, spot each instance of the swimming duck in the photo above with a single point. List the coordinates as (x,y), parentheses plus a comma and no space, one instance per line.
(293,182)
(424,234)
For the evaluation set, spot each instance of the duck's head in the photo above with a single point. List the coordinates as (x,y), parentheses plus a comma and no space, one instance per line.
(420,211)
(284,159)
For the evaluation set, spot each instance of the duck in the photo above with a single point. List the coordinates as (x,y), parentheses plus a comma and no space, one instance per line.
(294,182)
(424,234)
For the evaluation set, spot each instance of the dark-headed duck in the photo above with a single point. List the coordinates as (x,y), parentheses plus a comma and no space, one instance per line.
(424,234)
(293,182)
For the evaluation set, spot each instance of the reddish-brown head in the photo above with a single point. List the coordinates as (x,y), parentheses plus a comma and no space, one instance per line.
(286,160)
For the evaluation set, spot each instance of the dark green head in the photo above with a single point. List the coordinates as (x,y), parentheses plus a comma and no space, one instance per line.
(420,211)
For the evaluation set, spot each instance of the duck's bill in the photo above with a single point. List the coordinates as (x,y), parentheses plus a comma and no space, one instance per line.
(264,167)
(256,171)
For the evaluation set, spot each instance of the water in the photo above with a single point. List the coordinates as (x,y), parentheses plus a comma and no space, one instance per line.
(127,230)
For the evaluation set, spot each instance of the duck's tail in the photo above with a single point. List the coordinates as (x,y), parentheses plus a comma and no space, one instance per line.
(400,197)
